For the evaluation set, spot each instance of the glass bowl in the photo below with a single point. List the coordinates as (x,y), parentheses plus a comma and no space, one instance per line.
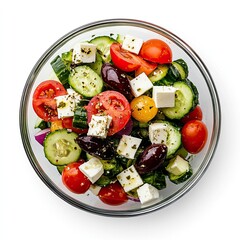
(198,74)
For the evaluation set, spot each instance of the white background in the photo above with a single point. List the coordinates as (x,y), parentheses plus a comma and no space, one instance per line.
(29,210)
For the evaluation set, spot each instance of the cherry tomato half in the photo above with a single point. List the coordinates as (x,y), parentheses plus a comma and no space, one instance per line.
(194,136)
(74,179)
(129,62)
(156,50)
(143,108)
(43,101)
(123,59)
(145,66)
(113,194)
(196,114)
(110,103)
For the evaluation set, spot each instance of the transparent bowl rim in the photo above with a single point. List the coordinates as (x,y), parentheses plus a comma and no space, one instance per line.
(121,22)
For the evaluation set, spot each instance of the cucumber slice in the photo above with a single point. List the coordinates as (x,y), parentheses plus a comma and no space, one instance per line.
(182,68)
(103,44)
(60,168)
(178,70)
(97,65)
(174,138)
(40,123)
(60,147)
(159,73)
(80,118)
(184,101)
(85,81)
(61,70)
(177,179)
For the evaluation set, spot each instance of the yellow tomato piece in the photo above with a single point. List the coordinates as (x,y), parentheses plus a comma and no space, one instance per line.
(143,108)
(56,125)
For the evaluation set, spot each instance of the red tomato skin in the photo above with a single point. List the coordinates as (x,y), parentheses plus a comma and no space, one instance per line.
(156,50)
(194,136)
(123,59)
(113,194)
(43,101)
(196,114)
(110,103)
(74,179)
(145,66)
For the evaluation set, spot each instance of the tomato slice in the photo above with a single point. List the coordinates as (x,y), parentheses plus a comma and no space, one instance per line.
(129,62)
(113,194)
(194,136)
(74,179)
(43,101)
(68,123)
(110,103)
(156,50)
(145,66)
(123,59)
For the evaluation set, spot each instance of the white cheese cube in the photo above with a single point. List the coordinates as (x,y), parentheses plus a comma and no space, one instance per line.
(129,179)
(147,193)
(128,146)
(132,44)
(84,53)
(93,169)
(178,166)
(140,84)
(74,95)
(99,126)
(164,96)
(158,133)
(95,189)
(66,104)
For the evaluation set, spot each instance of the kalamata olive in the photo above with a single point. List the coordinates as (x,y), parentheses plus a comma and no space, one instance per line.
(116,79)
(97,147)
(152,158)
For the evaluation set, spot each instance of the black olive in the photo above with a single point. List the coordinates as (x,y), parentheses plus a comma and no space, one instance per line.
(116,79)
(151,159)
(101,148)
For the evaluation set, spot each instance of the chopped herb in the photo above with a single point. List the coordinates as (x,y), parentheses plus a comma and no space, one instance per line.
(134,146)
(61,105)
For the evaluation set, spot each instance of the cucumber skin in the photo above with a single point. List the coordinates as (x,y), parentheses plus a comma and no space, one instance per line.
(181,178)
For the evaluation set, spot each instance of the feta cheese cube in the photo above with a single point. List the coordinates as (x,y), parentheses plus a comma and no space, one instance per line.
(132,44)
(95,189)
(99,126)
(164,96)
(140,84)
(158,133)
(84,53)
(129,179)
(128,146)
(74,95)
(93,169)
(66,104)
(178,166)
(147,193)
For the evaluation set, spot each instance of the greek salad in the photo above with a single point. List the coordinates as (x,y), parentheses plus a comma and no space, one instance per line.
(120,118)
